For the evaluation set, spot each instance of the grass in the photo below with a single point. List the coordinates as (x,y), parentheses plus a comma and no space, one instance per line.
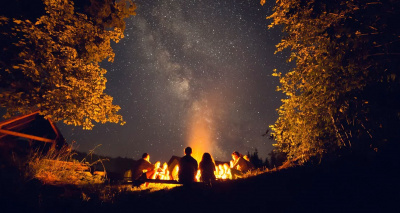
(346,186)
(349,185)
(58,167)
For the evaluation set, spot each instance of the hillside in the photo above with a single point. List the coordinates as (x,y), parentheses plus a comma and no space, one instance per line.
(346,185)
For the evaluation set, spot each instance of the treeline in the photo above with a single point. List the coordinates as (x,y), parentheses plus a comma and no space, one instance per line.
(117,165)
(274,160)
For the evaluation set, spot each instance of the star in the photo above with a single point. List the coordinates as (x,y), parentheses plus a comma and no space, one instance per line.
(194,74)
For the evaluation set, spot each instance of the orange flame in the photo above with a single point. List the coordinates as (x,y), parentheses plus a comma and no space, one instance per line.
(175,173)
(222,171)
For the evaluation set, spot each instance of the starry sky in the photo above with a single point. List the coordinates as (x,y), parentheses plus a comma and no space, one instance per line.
(191,73)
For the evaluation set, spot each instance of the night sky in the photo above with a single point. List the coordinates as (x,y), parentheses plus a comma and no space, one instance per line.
(195,73)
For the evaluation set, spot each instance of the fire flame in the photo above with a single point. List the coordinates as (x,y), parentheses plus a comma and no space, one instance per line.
(161,173)
(221,172)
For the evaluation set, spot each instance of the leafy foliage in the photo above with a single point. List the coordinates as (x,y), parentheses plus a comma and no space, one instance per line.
(107,13)
(52,63)
(343,90)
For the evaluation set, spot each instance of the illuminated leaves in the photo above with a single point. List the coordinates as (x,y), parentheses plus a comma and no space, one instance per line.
(57,67)
(330,92)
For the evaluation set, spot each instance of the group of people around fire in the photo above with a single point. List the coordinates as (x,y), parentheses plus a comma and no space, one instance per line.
(188,168)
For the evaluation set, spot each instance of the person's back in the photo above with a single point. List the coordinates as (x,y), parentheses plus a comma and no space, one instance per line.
(207,168)
(242,165)
(187,167)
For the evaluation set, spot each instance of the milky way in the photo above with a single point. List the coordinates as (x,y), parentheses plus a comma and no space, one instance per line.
(191,72)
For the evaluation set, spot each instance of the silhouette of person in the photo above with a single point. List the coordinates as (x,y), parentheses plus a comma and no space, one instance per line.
(249,164)
(207,168)
(239,165)
(187,167)
(143,166)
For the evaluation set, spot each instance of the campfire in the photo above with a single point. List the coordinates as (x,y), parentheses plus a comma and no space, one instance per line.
(222,172)
(201,134)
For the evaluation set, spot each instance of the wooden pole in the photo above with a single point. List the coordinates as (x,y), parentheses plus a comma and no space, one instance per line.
(27,136)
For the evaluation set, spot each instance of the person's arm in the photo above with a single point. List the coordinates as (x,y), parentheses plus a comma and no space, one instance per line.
(243,165)
(149,166)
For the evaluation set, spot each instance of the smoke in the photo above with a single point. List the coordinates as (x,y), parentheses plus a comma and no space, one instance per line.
(203,118)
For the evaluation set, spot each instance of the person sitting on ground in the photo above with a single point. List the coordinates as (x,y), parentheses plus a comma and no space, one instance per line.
(207,168)
(143,166)
(249,164)
(187,167)
(240,165)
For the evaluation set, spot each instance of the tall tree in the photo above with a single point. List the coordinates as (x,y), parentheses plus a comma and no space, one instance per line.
(51,64)
(343,91)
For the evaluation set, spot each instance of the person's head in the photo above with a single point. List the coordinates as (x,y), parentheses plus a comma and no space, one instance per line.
(235,155)
(188,151)
(206,157)
(146,156)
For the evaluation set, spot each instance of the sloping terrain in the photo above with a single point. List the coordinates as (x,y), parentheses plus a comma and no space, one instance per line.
(343,186)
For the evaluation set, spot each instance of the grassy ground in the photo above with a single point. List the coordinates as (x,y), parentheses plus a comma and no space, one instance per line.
(343,186)
(347,184)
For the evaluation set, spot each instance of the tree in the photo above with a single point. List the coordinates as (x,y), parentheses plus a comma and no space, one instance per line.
(51,64)
(255,159)
(277,158)
(343,90)
(266,163)
(107,13)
